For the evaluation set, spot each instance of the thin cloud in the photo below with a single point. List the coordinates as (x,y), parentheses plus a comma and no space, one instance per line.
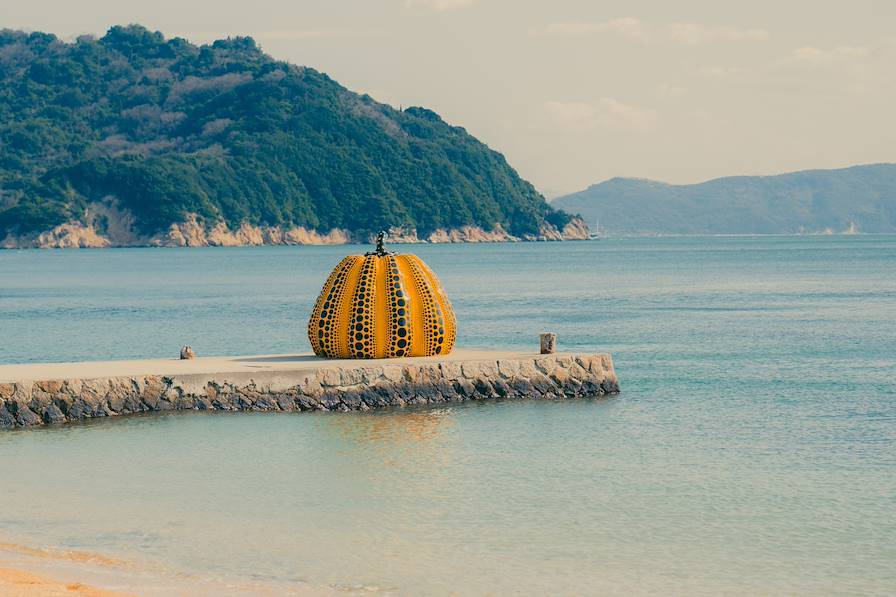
(296,34)
(808,70)
(607,112)
(272,35)
(671,91)
(635,29)
(854,70)
(440,5)
(719,72)
(693,34)
(816,55)
(626,26)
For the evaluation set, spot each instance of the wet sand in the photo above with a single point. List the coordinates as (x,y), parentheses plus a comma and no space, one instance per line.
(45,572)
(27,571)
(18,583)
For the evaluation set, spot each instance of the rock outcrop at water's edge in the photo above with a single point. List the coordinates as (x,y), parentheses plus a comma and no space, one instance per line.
(109,226)
(31,403)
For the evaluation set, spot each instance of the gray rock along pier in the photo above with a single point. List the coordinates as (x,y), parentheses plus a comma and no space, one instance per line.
(42,394)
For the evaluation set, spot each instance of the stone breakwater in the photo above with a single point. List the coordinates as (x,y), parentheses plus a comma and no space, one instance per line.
(311,385)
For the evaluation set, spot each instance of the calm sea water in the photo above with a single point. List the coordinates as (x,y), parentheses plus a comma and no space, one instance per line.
(752,450)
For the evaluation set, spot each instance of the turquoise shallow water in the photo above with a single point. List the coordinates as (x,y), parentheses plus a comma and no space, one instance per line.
(752,450)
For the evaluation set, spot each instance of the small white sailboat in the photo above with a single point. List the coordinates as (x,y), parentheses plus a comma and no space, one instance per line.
(595,233)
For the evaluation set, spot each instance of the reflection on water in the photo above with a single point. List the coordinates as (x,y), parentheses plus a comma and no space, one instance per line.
(396,445)
(391,427)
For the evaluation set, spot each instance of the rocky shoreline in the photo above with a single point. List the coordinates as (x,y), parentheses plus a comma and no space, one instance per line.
(312,386)
(108,226)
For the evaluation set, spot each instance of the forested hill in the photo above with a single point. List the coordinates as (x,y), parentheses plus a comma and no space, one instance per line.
(861,198)
(164,131)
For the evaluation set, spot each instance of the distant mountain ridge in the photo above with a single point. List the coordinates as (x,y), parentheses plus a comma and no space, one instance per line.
(135,139)
(855,199)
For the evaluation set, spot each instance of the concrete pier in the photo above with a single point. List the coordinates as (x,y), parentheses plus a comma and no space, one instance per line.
(39,394)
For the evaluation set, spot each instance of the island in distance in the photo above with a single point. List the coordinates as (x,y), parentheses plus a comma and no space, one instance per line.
(857,199)
(133,139)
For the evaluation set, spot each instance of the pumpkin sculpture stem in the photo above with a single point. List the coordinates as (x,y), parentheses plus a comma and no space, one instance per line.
(380,246)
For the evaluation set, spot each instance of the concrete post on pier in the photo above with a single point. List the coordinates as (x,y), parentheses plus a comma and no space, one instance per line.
(548,343)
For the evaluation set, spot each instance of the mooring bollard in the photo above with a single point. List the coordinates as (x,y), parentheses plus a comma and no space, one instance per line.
(187,353)
(548,343)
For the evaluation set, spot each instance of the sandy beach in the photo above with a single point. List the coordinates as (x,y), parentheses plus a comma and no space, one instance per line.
(28,572)
(16,583)
(49,573)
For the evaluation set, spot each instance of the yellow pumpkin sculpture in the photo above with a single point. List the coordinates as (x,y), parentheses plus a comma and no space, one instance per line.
(382,305)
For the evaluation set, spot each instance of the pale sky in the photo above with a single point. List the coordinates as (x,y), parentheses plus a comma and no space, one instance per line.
(576,91)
